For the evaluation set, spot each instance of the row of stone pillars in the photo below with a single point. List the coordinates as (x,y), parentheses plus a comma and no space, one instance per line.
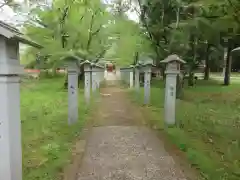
(10,123)
(10,70)
(93,76)
(131,76)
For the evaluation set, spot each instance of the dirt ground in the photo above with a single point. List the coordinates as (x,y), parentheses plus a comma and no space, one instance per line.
(115,110)
(118,144)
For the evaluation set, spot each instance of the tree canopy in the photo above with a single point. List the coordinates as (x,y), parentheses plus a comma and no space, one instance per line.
(196,30)
(88,29)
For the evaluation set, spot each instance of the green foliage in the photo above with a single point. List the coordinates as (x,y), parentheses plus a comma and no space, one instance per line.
(208,131)
(127,41)
(86,29)
(184,26)
(70,26)
(47,139)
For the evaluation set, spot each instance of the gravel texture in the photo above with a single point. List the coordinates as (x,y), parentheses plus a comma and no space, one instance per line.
(120,147)
(127,153)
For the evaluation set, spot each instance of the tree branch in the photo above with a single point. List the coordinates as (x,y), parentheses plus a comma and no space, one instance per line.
(91,34)
(150,35)
(101,54)
(235,16)
(2,5)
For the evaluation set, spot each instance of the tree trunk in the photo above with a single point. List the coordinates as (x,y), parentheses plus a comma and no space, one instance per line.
(54,71)
(190,78)
(224,61)
(193,51)
(206,71)
(207,68)
(228,67)
(193,45)
(162,71)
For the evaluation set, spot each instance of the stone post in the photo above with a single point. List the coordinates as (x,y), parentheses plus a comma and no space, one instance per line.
(131,78)
(72,93)
(118,74)
(172,70)
(137,84)
(122,74)
(10,123)
(127,75)
(105,74)
(147,69)
(87,80)
(97,76)
(224,60)
(100,75)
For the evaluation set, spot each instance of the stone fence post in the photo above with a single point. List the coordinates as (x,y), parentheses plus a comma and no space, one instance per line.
(172,70)
(87,80)
(137,72)
(10,123)
(94,78)
(118,74)
(123,74)
(131,82)
(147,69)
(72,93)
(97,76)
(127,75)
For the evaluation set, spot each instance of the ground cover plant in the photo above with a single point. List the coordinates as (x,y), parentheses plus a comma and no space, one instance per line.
(207,129)
(46,137)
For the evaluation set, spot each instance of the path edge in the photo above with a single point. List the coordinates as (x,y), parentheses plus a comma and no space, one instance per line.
(71,170)
(178,156)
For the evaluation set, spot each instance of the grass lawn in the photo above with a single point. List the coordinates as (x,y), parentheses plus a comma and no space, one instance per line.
(234,74)
(209,130)
(47,139)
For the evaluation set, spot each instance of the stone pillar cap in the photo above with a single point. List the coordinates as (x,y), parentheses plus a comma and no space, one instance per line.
(172,58)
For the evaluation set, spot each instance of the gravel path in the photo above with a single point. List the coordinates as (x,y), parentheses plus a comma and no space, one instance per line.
(127,153)
(120,147)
